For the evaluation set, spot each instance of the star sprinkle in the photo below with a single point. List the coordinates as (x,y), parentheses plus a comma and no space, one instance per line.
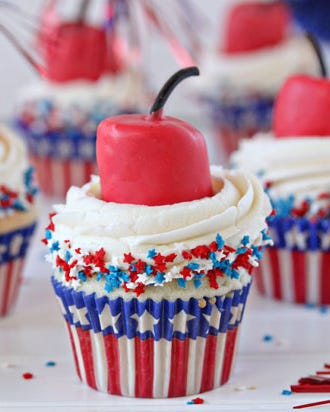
(196,401)
(11,200)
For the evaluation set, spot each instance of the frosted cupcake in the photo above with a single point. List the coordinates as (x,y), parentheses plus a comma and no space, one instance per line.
(293,165)
(153,283)
(80,86)
(17,215)
(241,79)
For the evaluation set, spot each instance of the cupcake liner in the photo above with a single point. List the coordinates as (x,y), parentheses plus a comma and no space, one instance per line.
(300,233)
(295,276)
(56,176)
(296,269)
(237,118)
(67,144)
(13,248)
(61,158)
(152,349)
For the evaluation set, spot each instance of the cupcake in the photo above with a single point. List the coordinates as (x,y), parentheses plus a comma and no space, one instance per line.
(293,164)
(152,261)
(80,85)
(17,215)
(242,77)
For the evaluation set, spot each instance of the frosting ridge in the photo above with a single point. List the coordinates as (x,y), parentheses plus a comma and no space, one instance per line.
(258,71)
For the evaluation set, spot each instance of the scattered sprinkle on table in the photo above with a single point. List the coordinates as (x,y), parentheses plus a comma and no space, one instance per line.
(27,375)
(286,392)
(323,309)
(267,338)
(195,401)
(50,364)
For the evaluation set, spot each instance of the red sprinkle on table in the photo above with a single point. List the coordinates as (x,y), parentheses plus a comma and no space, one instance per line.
(196,401)
(308,405)
(27,375)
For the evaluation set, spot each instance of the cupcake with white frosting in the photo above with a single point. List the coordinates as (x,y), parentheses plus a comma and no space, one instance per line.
(82,82)
(59,120)
(17,215)
(153,289)
(241,78)
(166,283)
(293,165)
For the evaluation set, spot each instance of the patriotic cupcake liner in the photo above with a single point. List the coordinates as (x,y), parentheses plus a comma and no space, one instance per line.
(56,176)
(13,249)
(61,158)
(152,349)
(237,118)
(297,268)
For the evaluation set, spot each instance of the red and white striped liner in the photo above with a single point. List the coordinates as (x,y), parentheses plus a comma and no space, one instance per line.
(56,176)
(10,280)
(137,368)
(295,276)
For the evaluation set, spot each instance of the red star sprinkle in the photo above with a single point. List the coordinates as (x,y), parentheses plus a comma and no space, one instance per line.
(186,255)
(202,252)
(170,258)
(128,258)
(27,375)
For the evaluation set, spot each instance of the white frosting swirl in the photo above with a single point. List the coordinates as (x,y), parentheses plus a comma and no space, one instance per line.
(262,71)
(13,160)
(295,166)
(238,208)
(126,89)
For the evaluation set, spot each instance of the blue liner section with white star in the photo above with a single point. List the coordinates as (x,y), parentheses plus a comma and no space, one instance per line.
(14,244)
(163,319)
(253,113)
(70,141)
(314,235)
(68,144)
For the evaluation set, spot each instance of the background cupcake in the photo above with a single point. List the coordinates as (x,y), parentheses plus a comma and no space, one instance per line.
(294,167)
(87,76)
(240,79)
(153,290)
(17,215)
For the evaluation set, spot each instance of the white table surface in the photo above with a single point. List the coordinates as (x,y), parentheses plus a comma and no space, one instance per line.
(35,334)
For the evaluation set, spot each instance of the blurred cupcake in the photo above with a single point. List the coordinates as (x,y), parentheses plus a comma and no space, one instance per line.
(153,286)
(17,215)
(87,76)
(294,167)
(240,80)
